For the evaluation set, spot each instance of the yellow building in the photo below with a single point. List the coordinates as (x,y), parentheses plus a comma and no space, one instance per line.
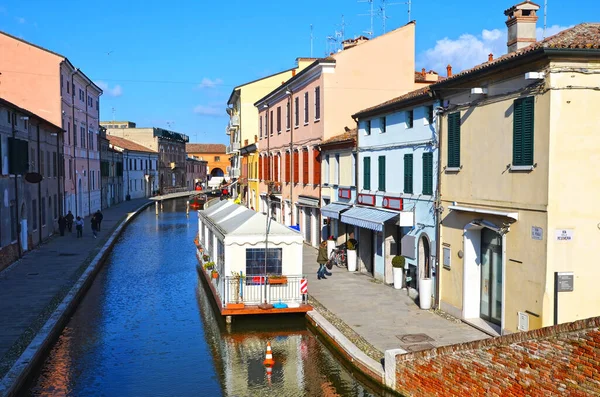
(243,130)
(519,181)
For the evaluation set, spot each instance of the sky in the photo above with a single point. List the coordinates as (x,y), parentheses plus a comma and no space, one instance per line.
(174,64)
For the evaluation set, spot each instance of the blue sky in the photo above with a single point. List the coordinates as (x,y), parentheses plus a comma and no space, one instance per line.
(174,64)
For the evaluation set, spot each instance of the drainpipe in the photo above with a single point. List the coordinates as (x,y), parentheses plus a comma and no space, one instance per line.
(59,160)
(291,159)
(19,250)
(438,202)
(39,201)
(74,148)
(87,132)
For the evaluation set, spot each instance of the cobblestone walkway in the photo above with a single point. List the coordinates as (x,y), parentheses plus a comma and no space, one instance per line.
(32,288)
(377,315)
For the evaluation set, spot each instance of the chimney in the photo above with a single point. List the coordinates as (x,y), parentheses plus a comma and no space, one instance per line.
(423,72)
(490,57)
(521,22)
(449,70)
(293,72)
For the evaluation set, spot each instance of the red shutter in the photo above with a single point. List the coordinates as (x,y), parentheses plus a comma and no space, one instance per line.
(296,167)
(305,166)
(260,168)
(316,167)
(287,167)
(276,169)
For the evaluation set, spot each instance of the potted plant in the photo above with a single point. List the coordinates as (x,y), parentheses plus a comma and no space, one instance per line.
(205,257)
(330,245)
(398,263)
(237,286)
(277,279)
(425,291)
(351,255)
(214,274)
(209,265)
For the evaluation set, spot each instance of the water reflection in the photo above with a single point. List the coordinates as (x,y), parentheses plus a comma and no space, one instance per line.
(147,328)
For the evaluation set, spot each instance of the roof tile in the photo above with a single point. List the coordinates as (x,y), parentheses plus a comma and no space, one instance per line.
(127,144)
(205,148)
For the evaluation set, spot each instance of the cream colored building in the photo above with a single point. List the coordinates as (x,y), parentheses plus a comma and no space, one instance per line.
(519,182)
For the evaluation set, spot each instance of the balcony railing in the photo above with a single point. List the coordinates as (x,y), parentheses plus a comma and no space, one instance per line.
(254,290)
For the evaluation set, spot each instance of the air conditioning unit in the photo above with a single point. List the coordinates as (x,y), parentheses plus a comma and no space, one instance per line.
(236,146)
(234,173)
(228,149)
(235,120)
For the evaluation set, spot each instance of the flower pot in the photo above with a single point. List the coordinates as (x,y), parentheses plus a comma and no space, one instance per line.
(425,291)
(330,247)
(398,274)
(215,275)
(278,280)
(351,259)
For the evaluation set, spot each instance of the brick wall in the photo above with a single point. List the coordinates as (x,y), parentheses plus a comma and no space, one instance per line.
(563,360)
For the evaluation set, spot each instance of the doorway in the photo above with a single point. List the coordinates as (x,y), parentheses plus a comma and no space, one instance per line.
(377,252)
(491,276)
(307,225)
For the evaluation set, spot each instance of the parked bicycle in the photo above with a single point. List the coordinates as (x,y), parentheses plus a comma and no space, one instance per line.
(338,258)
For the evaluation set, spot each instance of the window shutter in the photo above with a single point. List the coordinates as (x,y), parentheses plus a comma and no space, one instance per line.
(296,167)
(367,173)
(317,103)
(408,173)
(287,167)
(316,167)
(454,140)
(381,174)
(18,156)
(523,125)
(305,166)
(428,173)
(276,168)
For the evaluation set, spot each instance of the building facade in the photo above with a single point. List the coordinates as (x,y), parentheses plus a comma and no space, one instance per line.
(518,182)
(242,128)
(47,83)
(31,180)
(248,182)
(217,160)
(397,179)
(170,147)
(140,173)
(315,105)
(196,173)
(111,171)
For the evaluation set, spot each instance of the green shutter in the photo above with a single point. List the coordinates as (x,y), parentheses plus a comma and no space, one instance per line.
(408,173)
(367,173)
(428,173)
(18,156)
(523,131)
(381,174)
(454,140)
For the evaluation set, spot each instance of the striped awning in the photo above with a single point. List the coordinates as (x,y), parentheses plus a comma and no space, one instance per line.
(333,210)
(368,218)
(308,201)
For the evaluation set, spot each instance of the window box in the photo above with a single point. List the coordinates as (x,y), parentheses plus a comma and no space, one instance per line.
(277,280)
(235,306)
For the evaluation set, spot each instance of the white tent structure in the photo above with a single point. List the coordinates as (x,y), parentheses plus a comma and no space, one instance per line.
(239,241)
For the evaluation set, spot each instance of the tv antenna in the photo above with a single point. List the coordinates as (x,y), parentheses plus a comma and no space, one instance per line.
(170,124)
(382,12)
(311,40)
(113,114)
(370,14)
(545,16)
(334,41)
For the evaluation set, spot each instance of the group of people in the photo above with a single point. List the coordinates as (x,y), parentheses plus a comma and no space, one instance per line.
(66,223)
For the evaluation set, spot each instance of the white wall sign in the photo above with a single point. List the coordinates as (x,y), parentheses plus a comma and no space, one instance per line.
(537,233)
(564,234)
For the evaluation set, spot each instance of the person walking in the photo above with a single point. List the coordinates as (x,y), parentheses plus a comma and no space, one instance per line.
(99,218)
(69,218)
(62,224)
(322,260)
(94,224)
(79,226)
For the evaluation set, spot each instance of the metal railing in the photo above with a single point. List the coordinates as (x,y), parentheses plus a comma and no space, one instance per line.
(254,290)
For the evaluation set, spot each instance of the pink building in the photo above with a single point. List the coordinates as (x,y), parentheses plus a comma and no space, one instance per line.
(47,83)
(317,104)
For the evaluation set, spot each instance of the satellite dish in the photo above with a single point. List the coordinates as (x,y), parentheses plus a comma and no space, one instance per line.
(33,177)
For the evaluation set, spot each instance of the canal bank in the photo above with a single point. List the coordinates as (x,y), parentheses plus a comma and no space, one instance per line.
(146,327)
(40,291)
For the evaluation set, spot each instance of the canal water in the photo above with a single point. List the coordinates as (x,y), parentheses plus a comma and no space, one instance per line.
(147,327)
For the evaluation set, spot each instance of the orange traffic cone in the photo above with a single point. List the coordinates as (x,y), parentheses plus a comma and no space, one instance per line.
(269,371)
(269,362)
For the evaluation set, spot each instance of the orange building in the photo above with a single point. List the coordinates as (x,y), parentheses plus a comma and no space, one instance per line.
(214,154)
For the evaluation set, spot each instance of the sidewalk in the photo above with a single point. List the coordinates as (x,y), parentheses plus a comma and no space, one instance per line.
(380,314)
(32,287)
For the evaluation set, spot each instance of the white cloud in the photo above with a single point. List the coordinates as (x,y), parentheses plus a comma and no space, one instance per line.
(208,83)
(20,20)
(114,91)
(211,110)
(469,50)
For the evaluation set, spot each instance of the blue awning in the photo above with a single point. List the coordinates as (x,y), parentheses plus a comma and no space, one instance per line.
(368,218)
(333,210)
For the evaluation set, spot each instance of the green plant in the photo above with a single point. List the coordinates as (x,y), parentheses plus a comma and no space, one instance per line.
(205,257)
(398,261)
(276,276)
(238,275)
(209,265)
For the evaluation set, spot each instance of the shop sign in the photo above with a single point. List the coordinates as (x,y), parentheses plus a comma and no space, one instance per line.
(564,234)
(537,233)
